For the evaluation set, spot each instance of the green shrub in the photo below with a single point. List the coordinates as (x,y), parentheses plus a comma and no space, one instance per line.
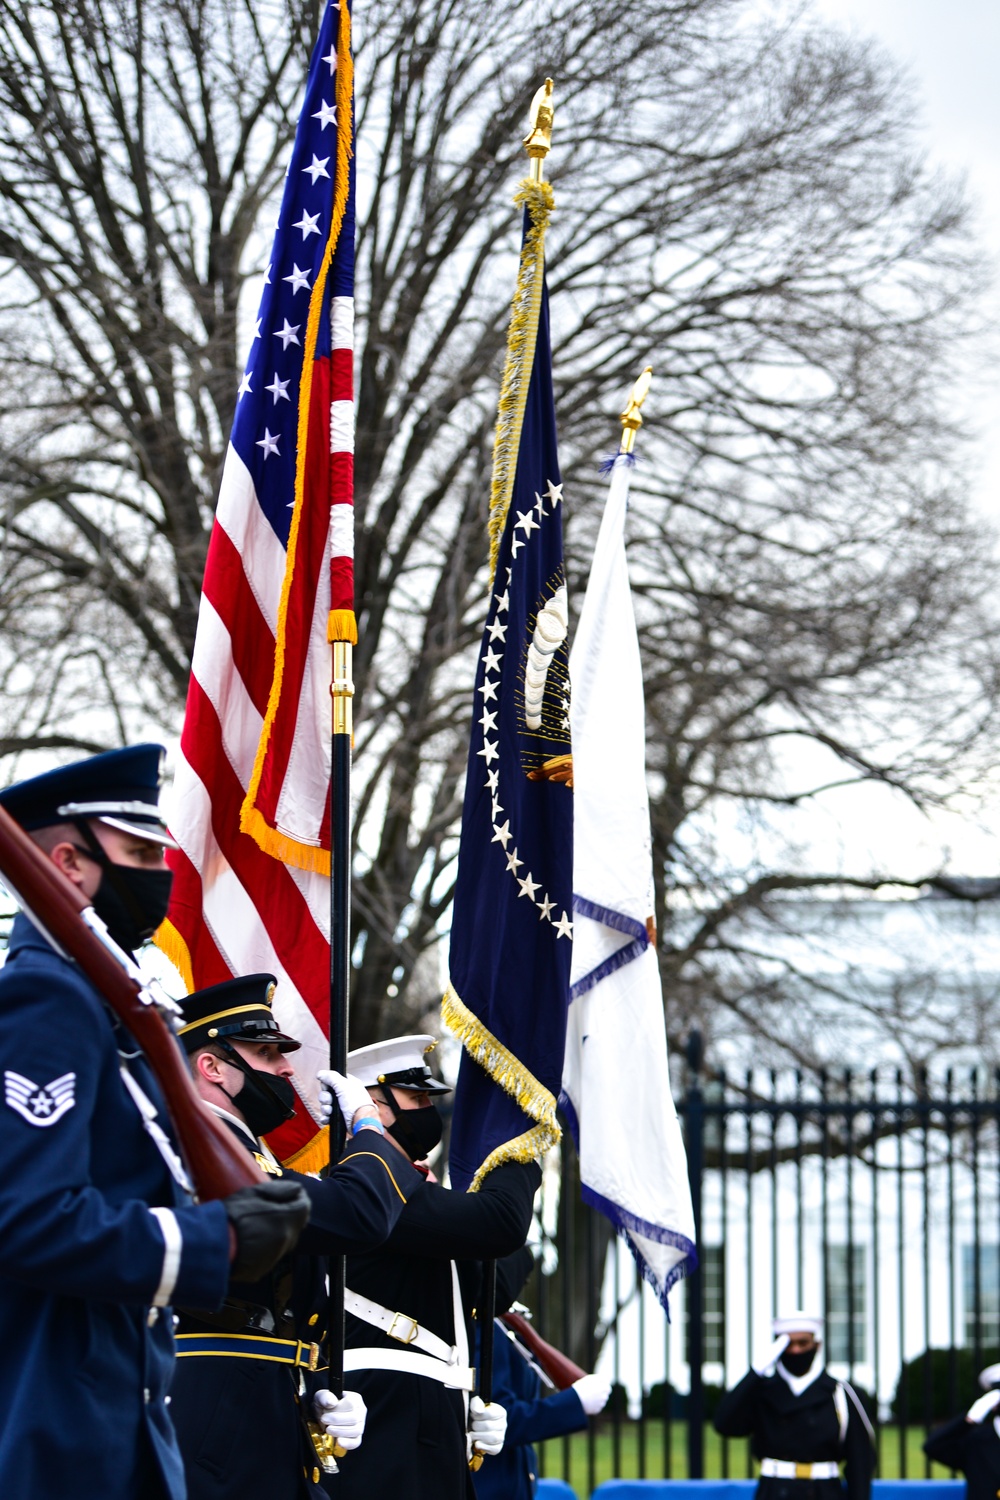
(954,1384)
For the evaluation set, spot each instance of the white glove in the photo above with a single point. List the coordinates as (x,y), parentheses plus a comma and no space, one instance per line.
(487,1426)
(980,1409)
(766,1365)
(349,1094)
(343,1420)
(593,1391)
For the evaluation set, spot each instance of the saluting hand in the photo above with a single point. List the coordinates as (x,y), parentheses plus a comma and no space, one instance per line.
(980,1409)
(765,1366)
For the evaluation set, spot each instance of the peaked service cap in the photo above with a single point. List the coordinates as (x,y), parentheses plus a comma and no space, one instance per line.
(119,787)
(399,1062)
(989,1377)
(238,1010)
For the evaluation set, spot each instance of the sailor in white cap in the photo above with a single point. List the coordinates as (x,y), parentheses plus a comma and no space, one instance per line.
(802,1423)
(410,1301)
(971,1443)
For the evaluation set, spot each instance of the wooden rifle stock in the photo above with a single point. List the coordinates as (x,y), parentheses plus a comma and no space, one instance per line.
(216,1163)
(558,1367)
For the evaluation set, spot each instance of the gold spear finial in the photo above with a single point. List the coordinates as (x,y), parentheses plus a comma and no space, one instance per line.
(630,419)
(538,141)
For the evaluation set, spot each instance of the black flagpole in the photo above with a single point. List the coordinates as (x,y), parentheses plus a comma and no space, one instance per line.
(342,690)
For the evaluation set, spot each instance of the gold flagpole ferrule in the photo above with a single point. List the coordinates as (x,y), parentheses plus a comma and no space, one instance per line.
(631,418)
(538,141)
(342,687)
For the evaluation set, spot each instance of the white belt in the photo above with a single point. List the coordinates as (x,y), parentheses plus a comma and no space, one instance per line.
(399,1326)
(402,1361)
(783,1468)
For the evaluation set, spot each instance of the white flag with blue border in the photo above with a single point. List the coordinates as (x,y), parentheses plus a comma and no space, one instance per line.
(616,1085)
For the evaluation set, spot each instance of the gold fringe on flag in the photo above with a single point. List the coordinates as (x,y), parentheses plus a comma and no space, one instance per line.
(281,846)
(313,1156)
(525,310)
(513,1077)
(173,947)
(342,626)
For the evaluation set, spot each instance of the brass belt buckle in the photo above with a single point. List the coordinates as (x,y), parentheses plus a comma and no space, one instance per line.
(403,1338)
(803,1471)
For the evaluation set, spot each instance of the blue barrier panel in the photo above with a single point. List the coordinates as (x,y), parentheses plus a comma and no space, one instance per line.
(742,1489)
(554,1489)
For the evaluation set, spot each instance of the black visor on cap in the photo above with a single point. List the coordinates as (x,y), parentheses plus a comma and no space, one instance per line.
(421,1080)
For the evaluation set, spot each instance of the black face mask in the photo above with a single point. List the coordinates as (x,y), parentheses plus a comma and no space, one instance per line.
(798,1364)
(417,1130)
(265,1101)
(132,903)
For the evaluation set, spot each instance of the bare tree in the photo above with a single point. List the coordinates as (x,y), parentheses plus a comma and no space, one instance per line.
(739,199)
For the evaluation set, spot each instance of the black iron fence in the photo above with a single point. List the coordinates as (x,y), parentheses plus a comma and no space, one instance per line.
(872,1199)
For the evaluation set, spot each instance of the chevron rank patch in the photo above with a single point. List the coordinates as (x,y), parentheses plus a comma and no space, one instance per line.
(40,1104)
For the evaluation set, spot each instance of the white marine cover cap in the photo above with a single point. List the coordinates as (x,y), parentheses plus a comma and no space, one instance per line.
(989,1377)
(401,1060)
(797,1321)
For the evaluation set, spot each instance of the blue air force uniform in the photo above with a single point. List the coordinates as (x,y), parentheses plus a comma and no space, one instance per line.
(97,1236)
(531,1418)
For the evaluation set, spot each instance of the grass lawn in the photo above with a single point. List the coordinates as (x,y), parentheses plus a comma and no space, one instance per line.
(596,1456)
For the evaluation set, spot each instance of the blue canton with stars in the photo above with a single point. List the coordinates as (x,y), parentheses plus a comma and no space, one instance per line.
(264,430)
(511,938)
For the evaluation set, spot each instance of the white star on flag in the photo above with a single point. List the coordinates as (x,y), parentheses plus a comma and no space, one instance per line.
(526,522)
(298,279)
(317,168)
(501,834)
(309,224)
(244,389)
(545,906)
(528,886)
(331,57)
(489,751)
(564,927)
(289,334)
(269,444)
(279,389)
(326,115)
(554,493)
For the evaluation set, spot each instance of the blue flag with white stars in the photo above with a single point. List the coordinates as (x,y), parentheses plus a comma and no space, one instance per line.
(511,939)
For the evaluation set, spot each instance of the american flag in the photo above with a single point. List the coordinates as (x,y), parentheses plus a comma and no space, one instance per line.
(252,791)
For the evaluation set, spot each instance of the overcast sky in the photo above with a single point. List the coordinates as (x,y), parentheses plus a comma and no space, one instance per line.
(951,49)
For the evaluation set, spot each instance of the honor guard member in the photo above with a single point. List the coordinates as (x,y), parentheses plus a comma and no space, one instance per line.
(409,1304)
(98,1233)
(801,1422)
(531,1415)
(249,1377)
(971,1443)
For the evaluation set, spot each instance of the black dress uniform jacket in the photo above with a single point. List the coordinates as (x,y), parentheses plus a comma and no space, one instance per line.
(974,1449)
(240,1419)
(804,1429)
(414,1446)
